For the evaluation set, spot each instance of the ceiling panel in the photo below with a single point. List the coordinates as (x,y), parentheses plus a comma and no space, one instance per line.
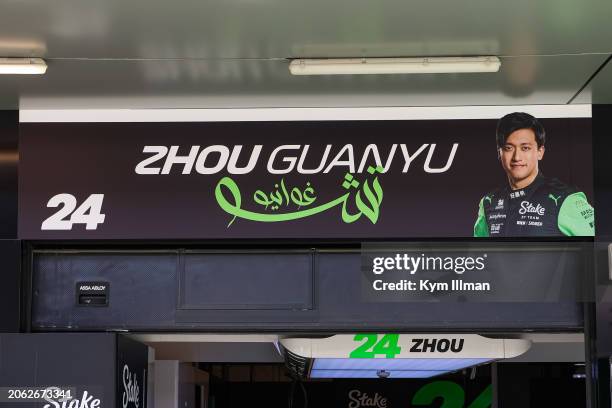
(599,89)
(71,84)
(289,28)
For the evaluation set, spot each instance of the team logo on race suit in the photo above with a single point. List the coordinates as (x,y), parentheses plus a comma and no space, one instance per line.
(496,228)
(555,199)
(529,208)
(500,204)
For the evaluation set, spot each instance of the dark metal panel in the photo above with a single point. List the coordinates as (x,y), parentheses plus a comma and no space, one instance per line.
(143,289)
(598,326)
(602,182)
(10,248)
(9,121)
(282,281)
(82,360)
(341,304)
(602,169)
(10,285)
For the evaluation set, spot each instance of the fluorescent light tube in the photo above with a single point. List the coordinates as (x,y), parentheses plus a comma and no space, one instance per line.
(361,66)
(22,66)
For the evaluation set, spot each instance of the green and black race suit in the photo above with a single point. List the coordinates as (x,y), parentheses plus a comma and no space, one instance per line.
(547,207)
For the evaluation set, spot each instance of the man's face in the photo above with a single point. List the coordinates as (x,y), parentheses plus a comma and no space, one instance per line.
(520,155)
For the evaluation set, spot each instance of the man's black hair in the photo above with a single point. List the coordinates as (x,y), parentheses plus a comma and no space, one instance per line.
(516,121)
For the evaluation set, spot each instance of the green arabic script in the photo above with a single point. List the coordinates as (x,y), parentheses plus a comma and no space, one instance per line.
(367,200)
(283,196)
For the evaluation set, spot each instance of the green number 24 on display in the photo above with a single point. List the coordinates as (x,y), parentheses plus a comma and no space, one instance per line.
(372,347)
(453,396)
(451,393)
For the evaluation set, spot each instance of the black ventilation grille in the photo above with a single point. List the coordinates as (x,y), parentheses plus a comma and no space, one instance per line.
(297,365)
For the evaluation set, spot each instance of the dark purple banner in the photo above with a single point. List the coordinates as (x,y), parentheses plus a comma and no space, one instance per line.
(366,179)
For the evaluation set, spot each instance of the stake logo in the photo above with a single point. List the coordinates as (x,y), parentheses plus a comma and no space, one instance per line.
(86,401)
(358,399)
(527,207)
(131,390)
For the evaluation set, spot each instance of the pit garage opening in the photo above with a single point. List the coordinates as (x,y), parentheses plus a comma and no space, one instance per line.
(288,370)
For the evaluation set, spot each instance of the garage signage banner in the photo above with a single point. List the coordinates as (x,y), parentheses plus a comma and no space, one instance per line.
(344,179)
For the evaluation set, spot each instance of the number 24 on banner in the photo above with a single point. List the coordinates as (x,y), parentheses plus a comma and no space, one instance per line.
(88,213)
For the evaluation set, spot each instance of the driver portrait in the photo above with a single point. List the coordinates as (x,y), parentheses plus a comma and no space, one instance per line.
(530,204)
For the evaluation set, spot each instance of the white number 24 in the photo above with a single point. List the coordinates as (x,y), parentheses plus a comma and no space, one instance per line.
(88,213)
